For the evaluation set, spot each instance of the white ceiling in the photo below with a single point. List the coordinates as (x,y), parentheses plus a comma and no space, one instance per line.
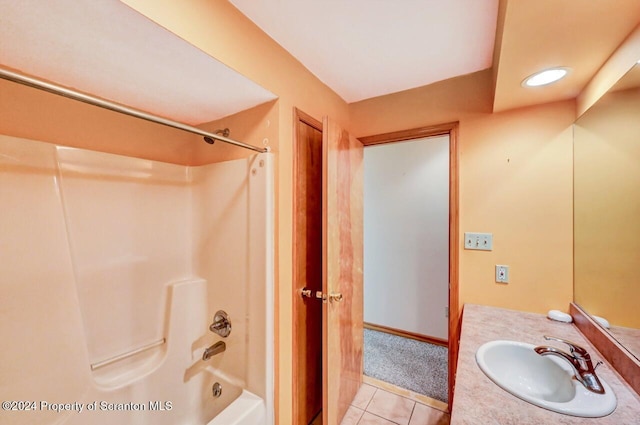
(109,50)
(539,34)
(368,48)
(359,48)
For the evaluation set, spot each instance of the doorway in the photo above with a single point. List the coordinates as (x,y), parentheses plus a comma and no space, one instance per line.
(327,270)
(406,265)
(327,253)
(307,270)
(451,339)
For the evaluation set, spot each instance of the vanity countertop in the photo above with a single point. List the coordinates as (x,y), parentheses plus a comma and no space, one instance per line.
(478,401)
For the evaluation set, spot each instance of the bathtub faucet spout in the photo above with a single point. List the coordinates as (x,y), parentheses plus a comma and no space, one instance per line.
(216,348)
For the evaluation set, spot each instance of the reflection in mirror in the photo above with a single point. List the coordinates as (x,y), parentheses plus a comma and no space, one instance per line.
(607,210)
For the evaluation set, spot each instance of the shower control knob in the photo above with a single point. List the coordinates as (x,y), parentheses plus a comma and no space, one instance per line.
(221,324)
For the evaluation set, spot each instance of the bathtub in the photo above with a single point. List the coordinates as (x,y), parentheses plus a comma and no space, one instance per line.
(236,406)
(190,403)
(247,409)
(171,384)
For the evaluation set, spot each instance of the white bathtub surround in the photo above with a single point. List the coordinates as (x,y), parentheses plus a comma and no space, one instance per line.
(174,378)
(104,254)
(240,284)
(128,225)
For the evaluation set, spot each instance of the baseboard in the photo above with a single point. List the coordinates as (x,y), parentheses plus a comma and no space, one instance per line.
(407,334)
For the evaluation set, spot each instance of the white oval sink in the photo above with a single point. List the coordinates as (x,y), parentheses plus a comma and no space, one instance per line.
(545,381)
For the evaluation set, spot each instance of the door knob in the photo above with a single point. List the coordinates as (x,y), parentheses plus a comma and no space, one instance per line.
(308,293)
(336,297)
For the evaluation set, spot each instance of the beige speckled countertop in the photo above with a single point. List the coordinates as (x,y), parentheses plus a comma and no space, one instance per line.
(478,401)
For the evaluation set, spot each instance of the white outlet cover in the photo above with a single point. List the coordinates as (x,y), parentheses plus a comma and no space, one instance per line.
(502,273)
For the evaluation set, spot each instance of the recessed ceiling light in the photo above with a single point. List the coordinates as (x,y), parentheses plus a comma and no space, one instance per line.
(545,77)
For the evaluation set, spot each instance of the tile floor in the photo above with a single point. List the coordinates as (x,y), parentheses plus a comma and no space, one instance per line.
(375,406)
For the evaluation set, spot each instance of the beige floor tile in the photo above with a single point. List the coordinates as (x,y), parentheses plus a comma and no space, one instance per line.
(352,416)
(369,419)
(391,406)
(363,397)
(425,415)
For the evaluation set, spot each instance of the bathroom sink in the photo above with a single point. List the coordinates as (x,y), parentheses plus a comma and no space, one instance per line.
(546,381)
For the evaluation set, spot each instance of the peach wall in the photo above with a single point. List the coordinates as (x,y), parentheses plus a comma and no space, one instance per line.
(515,182)
(437,103)
(607,202)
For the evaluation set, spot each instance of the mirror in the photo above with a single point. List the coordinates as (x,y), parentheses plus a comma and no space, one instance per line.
(607,210)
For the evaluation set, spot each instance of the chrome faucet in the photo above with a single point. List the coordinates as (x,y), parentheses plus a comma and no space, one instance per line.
(580,361)
(216,348)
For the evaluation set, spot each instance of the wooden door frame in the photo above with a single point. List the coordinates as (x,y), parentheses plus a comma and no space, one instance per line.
(450,129)
(298,116)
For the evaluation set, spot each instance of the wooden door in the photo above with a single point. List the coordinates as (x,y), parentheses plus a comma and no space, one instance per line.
(343,266)
(307,269)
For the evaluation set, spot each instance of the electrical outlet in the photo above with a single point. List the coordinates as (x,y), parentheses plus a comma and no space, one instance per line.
(502,274)
(479,241)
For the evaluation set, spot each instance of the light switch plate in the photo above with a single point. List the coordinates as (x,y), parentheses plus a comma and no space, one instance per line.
(479,241)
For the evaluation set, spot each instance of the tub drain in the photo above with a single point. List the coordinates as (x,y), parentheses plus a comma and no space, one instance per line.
(217,390)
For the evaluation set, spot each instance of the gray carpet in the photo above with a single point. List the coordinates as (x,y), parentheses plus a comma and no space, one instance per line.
(407,363)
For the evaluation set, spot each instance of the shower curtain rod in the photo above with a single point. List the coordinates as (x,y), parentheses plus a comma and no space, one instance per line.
(91,100)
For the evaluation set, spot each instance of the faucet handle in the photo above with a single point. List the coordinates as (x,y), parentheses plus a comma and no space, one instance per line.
(221,324)
(576,350)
